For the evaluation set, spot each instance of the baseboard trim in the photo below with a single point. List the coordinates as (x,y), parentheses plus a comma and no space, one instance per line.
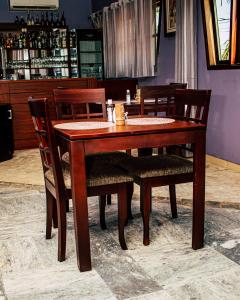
(223,163)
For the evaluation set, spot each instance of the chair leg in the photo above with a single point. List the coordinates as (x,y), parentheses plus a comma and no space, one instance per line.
(102,205)
(129,200)
(109,199)
(145,200)
(54,215)
(49,213)
(173,202)
(122,214)
(62,228)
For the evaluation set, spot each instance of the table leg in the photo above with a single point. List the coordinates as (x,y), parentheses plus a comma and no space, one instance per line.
(199,192)
(80,206)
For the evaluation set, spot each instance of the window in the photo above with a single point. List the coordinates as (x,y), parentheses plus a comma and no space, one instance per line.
(221,30)
(222,11)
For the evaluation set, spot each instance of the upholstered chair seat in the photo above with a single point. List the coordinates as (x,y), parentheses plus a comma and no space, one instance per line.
(156,166)
(99,173)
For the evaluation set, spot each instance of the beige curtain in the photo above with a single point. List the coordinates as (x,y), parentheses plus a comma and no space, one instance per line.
(127,37)
(186,43)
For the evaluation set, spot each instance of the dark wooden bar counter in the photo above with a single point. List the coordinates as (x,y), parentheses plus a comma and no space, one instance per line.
(16,93)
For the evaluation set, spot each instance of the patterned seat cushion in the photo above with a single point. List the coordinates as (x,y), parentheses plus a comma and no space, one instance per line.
(155,166)
(99,173)
(111,157)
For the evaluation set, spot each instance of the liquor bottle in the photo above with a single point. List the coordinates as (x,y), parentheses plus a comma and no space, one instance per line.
(32,20)
(72,39)
(37,22)
(57,40)
(1,72)
(17,22)
(64,39)
(28,19)
(15,42)
(46,19)
(57,20)
(9,41)
(1,40)
(30,41)
(50,40)
(20,44)
(63,21)
(24,40)
(52,20)
(34,40)
(39,41)
(44,40)
(22,21)
(42,19)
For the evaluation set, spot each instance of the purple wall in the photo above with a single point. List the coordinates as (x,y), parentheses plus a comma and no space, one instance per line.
(76,12)
(223,122)
(99,4)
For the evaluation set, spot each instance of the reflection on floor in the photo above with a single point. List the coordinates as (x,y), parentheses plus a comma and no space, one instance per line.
(166,269)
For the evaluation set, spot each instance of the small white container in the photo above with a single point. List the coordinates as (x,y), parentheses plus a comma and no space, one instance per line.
(128,97)
(110,110)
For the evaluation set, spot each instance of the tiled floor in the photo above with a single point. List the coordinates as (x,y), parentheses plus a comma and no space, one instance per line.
(166,269)
(222,185)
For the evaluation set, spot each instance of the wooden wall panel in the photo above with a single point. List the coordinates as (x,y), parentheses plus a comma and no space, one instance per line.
(17,93)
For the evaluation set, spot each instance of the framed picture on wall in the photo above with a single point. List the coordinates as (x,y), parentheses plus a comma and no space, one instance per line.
(169,17)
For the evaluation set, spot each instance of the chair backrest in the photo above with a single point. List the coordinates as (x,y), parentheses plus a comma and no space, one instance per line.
(161,94)
(80,103)
(39,109)
(192,105)
(116,88)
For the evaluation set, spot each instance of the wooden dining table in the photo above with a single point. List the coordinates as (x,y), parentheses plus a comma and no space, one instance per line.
(83,142)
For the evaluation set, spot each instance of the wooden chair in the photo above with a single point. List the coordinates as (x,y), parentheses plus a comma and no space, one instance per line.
(155,171)
(161,94)
(163,97)
(79,103)
(191,105)
(102,178)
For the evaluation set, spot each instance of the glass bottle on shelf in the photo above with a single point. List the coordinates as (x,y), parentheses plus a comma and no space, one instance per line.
(24,39)
(57,21)
(29,19)
(17,21)
(22,21)
(64,39)
(63,20)
(46,19)
(15,42)
(37,22)
(20,44)
(52,20)
(1,40)
(42,19)
(32,20)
